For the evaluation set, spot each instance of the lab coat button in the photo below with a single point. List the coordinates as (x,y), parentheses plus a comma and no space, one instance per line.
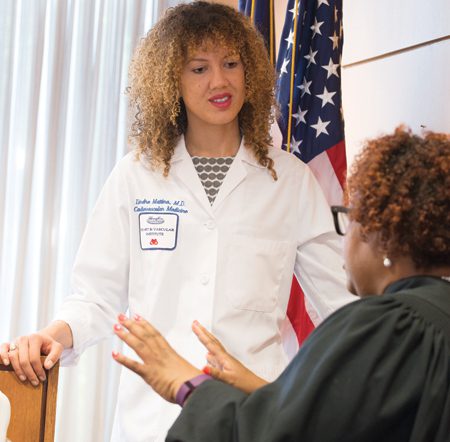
(204,279)
(210,224)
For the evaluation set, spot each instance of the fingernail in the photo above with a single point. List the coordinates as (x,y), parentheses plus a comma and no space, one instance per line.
(5,361)
(117,327)
(122,317)
(42,378)
(206,370)
(137,317)
(48,364)
(22,378)
(115,354)
(34,383)
(195,322)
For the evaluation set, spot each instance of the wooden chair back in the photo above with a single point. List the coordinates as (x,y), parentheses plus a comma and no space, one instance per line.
(33,409)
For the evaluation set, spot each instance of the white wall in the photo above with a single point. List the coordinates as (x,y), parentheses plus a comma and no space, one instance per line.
(411,86)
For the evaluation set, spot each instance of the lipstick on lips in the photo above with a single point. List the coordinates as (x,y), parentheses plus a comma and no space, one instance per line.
(221,101)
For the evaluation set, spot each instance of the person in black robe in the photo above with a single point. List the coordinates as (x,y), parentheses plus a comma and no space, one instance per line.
(376,370)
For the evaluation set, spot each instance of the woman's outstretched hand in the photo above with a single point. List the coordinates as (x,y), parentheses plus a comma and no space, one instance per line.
(162,368)
(222,366)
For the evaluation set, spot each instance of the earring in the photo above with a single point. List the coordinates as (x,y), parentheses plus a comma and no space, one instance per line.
(387,262)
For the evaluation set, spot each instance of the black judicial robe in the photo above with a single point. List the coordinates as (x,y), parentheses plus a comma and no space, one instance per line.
(377,369)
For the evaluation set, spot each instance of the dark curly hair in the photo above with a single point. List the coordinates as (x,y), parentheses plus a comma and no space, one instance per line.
(155,76)
(399,187)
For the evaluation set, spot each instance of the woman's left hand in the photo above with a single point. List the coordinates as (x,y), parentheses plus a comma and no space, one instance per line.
(222,366)
(162,368)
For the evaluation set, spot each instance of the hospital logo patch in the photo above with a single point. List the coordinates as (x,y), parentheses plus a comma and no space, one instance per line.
(158,230)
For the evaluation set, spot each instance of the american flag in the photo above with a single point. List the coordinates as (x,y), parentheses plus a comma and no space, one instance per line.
(309,85)
(262,14)
(309,96)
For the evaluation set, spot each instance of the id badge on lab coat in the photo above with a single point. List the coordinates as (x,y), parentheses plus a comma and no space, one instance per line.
(158,231)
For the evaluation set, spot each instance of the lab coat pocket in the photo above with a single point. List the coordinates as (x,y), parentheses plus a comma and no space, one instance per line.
(254,271)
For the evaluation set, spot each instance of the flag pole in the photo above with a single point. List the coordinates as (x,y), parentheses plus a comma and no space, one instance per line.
(272,37)
(291,92)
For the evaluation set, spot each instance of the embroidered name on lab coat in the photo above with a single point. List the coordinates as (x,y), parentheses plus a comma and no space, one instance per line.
(158,230)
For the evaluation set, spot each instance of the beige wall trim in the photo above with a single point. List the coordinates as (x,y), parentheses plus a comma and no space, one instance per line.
(396,52)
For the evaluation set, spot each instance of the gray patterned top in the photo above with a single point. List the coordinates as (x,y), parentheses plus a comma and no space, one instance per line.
(211,172)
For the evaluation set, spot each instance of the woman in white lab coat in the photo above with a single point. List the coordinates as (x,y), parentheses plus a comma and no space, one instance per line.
(203,220)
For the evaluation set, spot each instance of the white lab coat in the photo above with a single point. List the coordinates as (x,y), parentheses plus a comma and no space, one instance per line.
(155,246)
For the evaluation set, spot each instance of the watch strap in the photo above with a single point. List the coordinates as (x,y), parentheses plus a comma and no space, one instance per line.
(189,386)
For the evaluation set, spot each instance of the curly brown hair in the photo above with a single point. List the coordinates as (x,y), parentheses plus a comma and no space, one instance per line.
(399,187)
(155,76)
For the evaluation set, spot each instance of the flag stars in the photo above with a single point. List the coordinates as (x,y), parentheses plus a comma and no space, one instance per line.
(295,146)
(292,11)
(335,39)
(316,27)
(290,39)
(300,116)
(331,68)
(311,57)
(283,68)
(304,87)
(326,97)
(321,127)
(311,122)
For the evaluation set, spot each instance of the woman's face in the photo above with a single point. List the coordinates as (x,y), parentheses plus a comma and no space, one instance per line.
(363,263)
(213,87)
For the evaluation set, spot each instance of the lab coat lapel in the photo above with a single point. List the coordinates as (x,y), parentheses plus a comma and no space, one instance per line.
(182,170)
(235,175)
